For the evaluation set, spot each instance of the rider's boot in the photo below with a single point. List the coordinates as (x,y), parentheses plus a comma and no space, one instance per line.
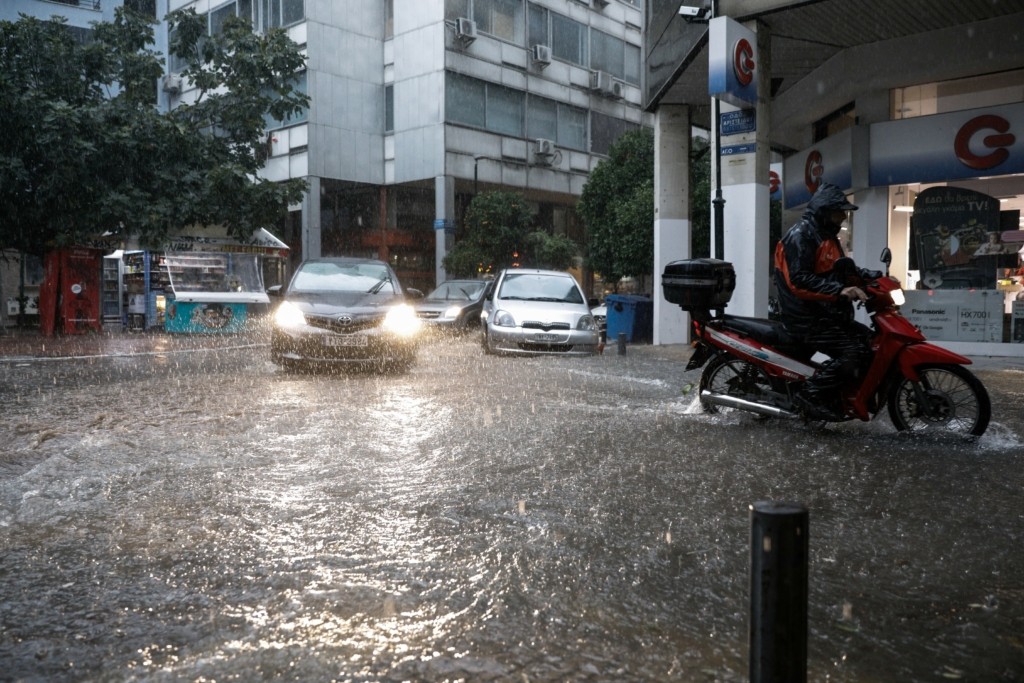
(816,404)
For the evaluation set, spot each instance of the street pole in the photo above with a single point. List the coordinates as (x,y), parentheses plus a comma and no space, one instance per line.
(719,201)
(778,592)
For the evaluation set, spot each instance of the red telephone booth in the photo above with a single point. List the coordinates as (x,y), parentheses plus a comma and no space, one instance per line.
(69,299)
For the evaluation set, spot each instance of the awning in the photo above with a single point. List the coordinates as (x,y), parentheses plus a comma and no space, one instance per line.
(216,238)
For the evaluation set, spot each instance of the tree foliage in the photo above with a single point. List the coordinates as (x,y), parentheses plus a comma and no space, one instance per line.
(498,232)
(86,152)
(617,206)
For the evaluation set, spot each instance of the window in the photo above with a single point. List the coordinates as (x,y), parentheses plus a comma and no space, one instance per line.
(538,26)
(563,123)
(389,108)
(219,16)
(500,18)
(615,56)
(270,123)
(568,40)
(605,130)
(389,18)
(484,105)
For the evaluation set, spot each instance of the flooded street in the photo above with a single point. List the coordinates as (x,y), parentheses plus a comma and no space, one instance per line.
(208,516)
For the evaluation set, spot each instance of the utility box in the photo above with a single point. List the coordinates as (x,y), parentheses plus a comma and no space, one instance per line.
(632,315)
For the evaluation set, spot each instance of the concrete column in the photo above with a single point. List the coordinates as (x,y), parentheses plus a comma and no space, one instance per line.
(671,215)
(311,220)
(444,223)
(745,165)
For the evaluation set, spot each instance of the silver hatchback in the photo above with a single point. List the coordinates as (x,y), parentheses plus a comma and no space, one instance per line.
(537,312)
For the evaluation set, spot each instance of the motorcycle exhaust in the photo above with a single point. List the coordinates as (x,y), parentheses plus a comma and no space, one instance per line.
(742,404)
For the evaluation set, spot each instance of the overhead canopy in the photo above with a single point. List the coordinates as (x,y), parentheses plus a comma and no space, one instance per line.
(217,239)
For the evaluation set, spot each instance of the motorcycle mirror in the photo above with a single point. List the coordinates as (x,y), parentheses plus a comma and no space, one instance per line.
(887,259)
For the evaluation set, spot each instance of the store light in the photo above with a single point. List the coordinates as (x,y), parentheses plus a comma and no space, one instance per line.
(904,209)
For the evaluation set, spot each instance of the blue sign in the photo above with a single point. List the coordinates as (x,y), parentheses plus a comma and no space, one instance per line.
(746,148)
(444,224)
(740,121)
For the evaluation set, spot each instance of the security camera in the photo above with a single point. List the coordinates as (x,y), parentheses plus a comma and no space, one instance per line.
(693,12)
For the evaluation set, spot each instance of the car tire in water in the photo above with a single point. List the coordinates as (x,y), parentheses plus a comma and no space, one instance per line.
(957,402)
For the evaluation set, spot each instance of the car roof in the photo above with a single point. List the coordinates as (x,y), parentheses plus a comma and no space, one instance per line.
(344,259)
(536,271)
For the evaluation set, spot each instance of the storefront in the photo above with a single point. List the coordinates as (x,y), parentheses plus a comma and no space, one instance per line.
(203,281)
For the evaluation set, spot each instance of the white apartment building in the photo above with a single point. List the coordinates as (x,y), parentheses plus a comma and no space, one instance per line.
(416,105)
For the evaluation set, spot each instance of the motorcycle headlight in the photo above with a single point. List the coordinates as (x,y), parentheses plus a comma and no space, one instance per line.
(898,297)
(402,321)
(289,315)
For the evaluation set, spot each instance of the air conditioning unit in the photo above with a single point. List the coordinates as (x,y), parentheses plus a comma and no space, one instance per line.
(543,151)
(465,30)
(541,55)
(600,4)
(603,82)
(172,84)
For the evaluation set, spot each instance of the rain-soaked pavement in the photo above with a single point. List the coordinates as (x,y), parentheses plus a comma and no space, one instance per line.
(202,515)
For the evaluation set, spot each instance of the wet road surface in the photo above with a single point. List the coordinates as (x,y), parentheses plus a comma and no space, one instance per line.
(207,516)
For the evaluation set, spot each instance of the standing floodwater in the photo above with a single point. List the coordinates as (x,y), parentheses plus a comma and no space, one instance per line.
(207,516)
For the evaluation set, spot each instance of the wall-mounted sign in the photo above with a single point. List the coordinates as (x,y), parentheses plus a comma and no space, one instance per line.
(732,62)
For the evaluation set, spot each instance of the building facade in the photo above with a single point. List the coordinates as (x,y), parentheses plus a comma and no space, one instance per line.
(417,105)
(915,110)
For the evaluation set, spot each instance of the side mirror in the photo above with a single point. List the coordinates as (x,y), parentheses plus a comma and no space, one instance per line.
(886,259)
(413,293)
(275,291)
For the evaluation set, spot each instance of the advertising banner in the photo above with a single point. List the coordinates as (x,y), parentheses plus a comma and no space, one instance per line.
(971,315)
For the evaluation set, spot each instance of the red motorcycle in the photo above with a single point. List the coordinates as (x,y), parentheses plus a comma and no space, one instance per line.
(754,365)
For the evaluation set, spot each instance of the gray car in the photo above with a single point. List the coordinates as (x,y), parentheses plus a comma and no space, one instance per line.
(454,306)
(537,312)
(344,312)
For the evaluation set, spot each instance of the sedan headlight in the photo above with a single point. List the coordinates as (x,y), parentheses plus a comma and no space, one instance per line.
(586,322)
(402,321)
(452,312)
(289,315)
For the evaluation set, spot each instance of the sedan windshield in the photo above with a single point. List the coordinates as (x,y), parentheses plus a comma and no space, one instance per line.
(539,287)
(457,291)
(370,278)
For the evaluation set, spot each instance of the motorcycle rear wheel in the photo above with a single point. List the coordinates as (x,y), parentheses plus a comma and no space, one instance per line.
(725,374)
(957,402)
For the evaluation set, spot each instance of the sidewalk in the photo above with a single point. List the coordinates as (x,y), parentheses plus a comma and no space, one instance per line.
(25,344)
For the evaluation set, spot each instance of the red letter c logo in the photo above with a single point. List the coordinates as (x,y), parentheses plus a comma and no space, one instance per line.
(743,62)
(813,170)
(998,143)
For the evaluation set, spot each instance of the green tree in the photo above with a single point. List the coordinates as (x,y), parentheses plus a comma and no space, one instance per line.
(617,206)
(498,231)
(87,153)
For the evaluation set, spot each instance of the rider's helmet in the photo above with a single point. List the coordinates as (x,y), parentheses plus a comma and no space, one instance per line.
(828,199)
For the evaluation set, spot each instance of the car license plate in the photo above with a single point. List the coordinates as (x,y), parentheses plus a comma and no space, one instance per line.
(546,337)
(346,340)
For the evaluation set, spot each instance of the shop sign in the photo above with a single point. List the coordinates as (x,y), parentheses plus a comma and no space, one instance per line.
(732,62)
(968,315)
(962,144)
(840,159)
(775,182)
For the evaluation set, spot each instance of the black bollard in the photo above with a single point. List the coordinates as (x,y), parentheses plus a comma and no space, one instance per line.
(778,592)
(622,343)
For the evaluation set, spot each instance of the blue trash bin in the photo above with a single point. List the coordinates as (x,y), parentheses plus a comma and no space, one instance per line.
(631,314)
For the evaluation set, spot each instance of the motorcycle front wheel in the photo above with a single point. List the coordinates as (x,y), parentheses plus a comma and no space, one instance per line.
(954,400)
(731,376)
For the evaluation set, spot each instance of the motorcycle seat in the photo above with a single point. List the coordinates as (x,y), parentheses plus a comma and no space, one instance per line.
(771,332)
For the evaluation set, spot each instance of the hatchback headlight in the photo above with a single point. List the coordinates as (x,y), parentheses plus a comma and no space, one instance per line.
(402,321)
(504,319)
(586,322)
(289,315)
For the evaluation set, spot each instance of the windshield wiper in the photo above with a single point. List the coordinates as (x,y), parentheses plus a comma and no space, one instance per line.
(548,298)
(377,287)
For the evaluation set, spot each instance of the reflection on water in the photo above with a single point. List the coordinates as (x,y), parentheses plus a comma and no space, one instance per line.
(477,519)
